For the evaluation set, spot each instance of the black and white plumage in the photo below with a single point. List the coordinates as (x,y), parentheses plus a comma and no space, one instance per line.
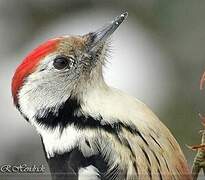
(88,129)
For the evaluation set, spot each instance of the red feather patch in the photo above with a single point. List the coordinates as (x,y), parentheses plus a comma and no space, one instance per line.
(30,63)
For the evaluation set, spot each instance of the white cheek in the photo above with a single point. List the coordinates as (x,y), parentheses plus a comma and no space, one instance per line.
(25,105)
(36,97)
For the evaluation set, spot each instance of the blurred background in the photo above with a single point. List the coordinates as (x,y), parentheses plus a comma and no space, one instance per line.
(158,56)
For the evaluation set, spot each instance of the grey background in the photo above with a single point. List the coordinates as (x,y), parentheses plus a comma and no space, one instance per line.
(157,56)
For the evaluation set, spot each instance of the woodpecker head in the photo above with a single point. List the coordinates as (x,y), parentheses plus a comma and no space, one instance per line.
(60,69)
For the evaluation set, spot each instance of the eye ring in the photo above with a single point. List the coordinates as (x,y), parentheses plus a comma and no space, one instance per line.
(63,62)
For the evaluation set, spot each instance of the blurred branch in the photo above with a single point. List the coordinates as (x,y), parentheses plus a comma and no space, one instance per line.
(199,160)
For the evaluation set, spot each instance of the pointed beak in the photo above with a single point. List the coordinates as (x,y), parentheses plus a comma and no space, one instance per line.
(102,34)
(202,81)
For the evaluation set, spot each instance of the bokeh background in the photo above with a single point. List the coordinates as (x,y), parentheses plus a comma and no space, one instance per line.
(158,56)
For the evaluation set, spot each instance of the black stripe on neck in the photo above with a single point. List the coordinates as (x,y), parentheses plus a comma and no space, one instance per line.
(66,116)
(61,118)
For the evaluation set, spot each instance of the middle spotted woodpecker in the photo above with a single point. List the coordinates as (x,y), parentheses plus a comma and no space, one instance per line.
(88,129)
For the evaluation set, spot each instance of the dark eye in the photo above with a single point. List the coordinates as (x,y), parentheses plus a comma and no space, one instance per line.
(63,62)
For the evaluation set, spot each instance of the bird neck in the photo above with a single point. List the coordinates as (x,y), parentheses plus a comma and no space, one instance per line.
(93,81)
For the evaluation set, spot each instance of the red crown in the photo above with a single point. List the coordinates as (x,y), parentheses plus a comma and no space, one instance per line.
(30,63)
